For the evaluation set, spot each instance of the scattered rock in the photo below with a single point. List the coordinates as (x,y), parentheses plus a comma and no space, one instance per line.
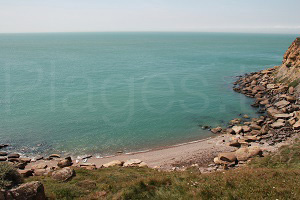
(142,164)
(2,153)
(227,157)
(132,163)
(14,155)
(282,104)
(42,172)
(291,90)
(237,129)
(54,156)
(216,130)
(246,117)
(234,143)
(278,124)
(88,166)
(229,131)
(87,157)
(283,116)
(25,160)
(291,99)
(296,126)
(255,126)
(3,146)
(65,163)
(2,158)
(113,163)
(39,166)
(246,129)
(26,172)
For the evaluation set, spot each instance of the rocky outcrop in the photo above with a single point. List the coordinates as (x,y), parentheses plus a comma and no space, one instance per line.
(289,71)
(276,92)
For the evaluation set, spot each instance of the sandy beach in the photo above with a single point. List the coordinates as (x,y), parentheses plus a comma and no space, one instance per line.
(199,152)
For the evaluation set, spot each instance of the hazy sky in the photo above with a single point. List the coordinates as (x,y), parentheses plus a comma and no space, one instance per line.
(276,16)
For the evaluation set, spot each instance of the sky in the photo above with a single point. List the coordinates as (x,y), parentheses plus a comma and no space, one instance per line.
(255,16)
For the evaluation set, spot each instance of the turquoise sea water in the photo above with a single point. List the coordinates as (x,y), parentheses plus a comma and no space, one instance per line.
(108,92)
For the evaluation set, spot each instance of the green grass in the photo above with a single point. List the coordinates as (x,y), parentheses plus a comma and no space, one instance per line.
(287,157)
(272,177)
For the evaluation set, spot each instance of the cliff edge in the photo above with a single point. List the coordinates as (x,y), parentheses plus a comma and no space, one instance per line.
(289,71)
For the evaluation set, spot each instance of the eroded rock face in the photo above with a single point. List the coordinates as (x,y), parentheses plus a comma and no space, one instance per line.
(289,71)
(27,191)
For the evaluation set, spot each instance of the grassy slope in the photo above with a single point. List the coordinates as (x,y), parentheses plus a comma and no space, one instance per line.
(272,177)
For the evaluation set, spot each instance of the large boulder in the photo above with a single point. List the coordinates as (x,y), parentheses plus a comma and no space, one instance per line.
(64,174)
(237,129)
(65,163)
(3,153)
(283,116)
(113,163)
(278,124)
(88,166)
(254,126)
(216,130)
(39,166)
(2,158)
(26,172)
(227,157)
(282,104)
(246,129)
(13,155)
(245,153)
(42,172)
(296,126)
(272,112)
(132,163)
(291,99)
(54,156)
(31,191)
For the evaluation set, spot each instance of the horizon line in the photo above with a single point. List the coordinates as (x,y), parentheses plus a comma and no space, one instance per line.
(277,33)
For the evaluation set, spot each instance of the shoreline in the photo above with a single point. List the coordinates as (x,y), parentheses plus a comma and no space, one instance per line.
(164,158)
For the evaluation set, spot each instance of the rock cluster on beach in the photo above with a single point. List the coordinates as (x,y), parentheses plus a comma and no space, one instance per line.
(278,103)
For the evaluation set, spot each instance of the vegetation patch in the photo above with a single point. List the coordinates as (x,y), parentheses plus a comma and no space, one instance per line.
(295,83)
(9,176)
(276,176)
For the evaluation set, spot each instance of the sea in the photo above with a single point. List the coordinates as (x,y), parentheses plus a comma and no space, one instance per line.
(101,93)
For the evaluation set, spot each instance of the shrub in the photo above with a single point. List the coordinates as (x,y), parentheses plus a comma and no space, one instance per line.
(9,176)
(295,83)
